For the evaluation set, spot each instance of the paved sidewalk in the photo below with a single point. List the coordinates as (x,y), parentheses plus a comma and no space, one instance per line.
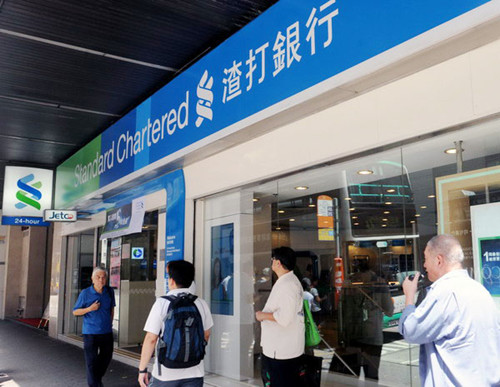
(29,358)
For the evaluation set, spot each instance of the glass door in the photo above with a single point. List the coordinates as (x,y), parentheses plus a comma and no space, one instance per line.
(80,263)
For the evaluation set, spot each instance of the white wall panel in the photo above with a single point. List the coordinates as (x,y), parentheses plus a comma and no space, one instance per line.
(433,99)
(485,79)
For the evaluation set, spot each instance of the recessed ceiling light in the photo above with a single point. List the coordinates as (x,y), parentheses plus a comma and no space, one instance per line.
(391,190)
(347,199)
(292,219)
(423,207)
(312,205)
(431,196)
(278,228)
(255,199)
(417,215)
(385,219)
(387,212)
(384,225)
(355,217)
(388,203)
(356,224)
(352,209)
(412,221)
(301,187)
(365,172)
(281,211)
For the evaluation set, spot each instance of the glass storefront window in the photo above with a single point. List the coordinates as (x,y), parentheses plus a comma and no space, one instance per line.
(365,222)
(131,262)
(80,255)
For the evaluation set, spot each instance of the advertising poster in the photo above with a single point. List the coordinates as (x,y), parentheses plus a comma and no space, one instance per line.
(490,264)
(324,210)
(115,263)
(486,246)
(222,269)
(124,220)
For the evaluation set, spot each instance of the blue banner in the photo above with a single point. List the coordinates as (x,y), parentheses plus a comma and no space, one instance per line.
(291,47)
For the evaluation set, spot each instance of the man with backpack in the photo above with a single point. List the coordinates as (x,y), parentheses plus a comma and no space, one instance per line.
(178,326)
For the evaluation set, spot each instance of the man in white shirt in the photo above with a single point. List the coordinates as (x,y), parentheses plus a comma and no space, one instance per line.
(180,277)
(457,324)
(282,325)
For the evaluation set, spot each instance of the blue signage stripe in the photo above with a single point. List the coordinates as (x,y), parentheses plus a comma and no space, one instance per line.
(24,221)
(291,47)
(143,134)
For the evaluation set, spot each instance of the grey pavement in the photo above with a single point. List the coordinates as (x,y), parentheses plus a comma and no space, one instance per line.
(29,358)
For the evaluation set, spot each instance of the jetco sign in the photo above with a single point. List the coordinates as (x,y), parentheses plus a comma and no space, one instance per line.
(59,216)
(27,192)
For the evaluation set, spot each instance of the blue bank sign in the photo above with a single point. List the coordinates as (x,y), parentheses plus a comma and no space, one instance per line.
(294,45)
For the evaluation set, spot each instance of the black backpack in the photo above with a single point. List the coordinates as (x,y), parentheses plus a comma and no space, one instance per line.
(182,344)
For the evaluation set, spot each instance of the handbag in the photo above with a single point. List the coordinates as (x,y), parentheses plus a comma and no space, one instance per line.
(312,335)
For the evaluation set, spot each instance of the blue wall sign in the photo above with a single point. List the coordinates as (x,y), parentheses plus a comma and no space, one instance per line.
(292,46)
(24,221)
(222,269)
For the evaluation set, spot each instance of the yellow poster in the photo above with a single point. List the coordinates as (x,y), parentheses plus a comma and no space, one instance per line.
(326,234)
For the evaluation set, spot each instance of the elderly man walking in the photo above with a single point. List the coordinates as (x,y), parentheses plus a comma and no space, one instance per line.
(97,304)
(457,324)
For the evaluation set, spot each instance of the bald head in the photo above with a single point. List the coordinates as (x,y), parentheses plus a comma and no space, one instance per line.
(447,246)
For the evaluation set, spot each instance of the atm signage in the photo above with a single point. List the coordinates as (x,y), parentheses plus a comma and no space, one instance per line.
(59,216)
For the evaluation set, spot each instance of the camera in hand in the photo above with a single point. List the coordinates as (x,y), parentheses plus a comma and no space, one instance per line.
(411,276)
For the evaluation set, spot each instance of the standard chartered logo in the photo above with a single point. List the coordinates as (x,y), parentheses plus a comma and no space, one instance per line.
(205,99)
(28,194)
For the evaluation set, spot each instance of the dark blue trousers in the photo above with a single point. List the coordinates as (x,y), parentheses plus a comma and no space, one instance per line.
(98,353)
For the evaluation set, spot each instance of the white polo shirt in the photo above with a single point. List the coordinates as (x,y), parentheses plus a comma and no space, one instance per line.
(154,324)
(284,339)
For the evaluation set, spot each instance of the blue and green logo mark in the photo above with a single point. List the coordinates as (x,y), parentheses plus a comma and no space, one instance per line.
(28,195)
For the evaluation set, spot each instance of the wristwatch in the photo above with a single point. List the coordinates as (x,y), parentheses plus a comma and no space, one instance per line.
(144,371)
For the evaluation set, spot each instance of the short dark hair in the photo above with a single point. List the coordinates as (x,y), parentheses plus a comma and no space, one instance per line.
(286,256)
(182,272)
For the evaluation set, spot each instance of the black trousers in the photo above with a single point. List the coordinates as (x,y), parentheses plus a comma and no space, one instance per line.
(98,353)
(281,373)
(357,355)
